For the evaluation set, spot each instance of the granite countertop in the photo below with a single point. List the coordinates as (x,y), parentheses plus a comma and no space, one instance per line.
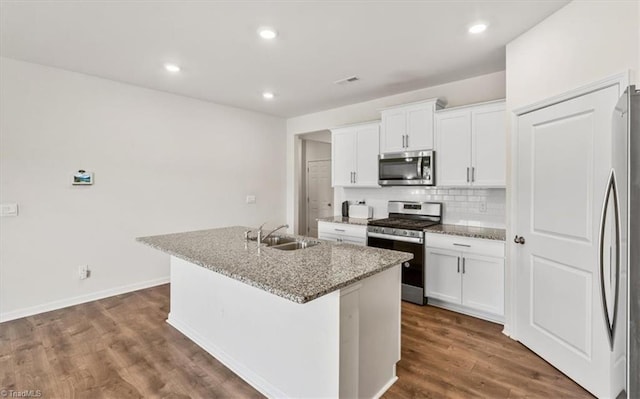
(468,231)
(300,276)
(343,220)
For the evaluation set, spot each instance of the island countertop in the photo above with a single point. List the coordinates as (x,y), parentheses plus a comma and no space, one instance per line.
(300,276)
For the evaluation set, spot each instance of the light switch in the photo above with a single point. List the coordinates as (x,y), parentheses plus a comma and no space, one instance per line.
(251,199)
(9,210)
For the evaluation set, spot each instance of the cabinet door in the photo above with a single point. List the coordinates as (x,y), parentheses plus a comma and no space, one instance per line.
(367,151)
(489,150)
(393,130)
(419,127)
(443,277)
(453,150)
(343,159)
(483,283)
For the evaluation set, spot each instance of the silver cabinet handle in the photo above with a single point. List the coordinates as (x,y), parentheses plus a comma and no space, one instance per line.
(463,266)
(355,177)
(461,245)
(468,175)
(341,230)
(458,264)
(610,320)
(473,174)
(407,136)
(403,145)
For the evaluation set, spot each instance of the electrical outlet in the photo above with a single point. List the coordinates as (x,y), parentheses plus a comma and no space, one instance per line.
(83,272)
(483,207)
(8,209)
(251,199)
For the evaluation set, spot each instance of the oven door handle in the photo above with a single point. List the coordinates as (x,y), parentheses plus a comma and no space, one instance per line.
(415,240)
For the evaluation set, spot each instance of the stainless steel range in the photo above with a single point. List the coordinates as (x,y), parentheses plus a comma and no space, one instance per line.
(403,231)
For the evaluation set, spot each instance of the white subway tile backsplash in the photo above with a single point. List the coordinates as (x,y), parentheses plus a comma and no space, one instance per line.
(460,206)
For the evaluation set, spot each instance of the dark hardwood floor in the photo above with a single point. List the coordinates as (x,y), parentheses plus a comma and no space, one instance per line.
(121,347)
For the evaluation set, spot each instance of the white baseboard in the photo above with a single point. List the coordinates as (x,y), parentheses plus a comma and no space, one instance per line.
(386,387)
(232,364)
(63,303)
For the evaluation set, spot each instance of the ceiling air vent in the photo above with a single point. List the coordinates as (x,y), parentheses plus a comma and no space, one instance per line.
(345,81)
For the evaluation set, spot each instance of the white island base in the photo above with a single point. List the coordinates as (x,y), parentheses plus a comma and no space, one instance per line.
(344,344)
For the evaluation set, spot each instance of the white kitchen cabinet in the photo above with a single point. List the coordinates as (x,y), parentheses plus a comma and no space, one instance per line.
(408,127)
(355,152)
(341,232)
(466,275)
(471,146)
(443,281)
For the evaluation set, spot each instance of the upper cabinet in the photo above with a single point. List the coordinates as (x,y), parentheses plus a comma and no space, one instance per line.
(355,152)
(471,146)
(409,127)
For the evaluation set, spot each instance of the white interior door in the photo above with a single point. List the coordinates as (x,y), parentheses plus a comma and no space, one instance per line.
(563,164)
(319,194)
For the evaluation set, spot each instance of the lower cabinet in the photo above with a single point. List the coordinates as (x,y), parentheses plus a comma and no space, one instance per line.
(466,274)
(341,232)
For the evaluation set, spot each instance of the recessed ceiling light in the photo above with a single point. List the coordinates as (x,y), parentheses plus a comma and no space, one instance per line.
(267,33)
(267,95)
(478,28)
(172,68)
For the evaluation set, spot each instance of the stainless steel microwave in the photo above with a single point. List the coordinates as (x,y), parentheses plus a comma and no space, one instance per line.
(416,168)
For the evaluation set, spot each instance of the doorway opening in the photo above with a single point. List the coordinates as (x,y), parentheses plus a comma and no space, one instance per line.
(316,193)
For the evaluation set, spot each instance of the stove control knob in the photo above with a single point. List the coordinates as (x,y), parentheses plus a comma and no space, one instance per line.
(405,232)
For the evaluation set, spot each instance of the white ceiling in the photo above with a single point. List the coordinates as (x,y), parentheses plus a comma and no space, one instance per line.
(393,46)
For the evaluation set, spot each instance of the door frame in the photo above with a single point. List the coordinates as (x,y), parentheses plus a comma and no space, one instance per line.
(511,268)
(306,190)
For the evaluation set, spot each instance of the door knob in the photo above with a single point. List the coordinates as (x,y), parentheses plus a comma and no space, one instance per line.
(518,240)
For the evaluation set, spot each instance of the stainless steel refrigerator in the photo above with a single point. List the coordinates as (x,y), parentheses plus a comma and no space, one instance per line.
(620,247)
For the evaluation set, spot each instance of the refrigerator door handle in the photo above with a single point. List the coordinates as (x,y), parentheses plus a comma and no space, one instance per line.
(610,320)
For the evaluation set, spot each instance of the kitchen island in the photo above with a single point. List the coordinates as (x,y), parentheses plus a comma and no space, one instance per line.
(322,321)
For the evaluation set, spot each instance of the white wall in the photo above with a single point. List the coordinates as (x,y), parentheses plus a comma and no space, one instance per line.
(163,163)
(468,91)
(581,43)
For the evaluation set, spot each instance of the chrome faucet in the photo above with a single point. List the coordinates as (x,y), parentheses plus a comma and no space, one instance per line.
(260,238)
(247,234)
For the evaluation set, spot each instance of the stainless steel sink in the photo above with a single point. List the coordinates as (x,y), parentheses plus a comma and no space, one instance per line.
(278,240)
(299,244)
(295,244)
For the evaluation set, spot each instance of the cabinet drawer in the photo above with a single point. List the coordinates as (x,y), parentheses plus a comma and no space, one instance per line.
(342,238)
(341,229)
(477,246)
